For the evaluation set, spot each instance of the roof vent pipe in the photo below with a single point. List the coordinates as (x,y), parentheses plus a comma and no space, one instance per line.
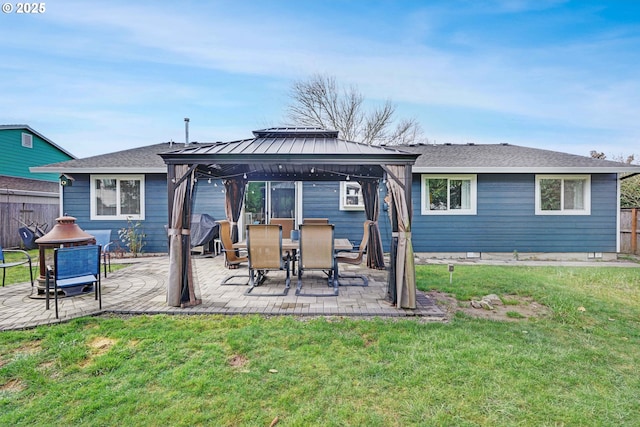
(186,131)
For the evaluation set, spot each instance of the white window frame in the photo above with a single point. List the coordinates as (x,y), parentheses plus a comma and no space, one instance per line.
(118,216)
(563,211)
(27,140)
(343,197)
(473,209)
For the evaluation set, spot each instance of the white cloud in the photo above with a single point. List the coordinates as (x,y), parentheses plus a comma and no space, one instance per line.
(121,68)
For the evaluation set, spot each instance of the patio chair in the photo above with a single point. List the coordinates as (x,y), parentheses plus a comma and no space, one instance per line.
(264,244)
(286,223)
(355,258)
(103,239)
(315,221)
(74,267)
(24,259)
(233,257)
(316,253)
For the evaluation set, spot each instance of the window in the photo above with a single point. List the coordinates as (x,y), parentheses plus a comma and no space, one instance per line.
(449,194)
(27,140)
(563,195)
(117,197)
(351,196)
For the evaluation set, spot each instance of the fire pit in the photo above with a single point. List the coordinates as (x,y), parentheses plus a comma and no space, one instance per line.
(64,234)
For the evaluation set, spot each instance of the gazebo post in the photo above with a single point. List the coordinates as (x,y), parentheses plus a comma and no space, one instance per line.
(393,251)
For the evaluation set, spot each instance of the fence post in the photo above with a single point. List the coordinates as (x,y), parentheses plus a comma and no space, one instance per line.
(634,230)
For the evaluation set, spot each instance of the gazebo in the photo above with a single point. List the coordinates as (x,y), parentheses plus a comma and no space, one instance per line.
(292,154)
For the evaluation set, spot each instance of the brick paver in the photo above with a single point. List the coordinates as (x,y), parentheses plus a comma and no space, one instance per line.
(141,289)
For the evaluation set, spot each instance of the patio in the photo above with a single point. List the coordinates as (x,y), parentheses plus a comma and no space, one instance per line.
(142,289)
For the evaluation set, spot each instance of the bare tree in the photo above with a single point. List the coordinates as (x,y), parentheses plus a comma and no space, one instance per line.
(319,102)
(629,187)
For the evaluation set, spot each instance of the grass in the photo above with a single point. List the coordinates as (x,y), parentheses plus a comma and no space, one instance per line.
(571,368)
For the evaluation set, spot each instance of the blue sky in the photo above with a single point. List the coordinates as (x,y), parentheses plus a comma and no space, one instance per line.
(104,76)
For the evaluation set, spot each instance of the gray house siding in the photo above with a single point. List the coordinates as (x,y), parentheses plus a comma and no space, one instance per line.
(506,220)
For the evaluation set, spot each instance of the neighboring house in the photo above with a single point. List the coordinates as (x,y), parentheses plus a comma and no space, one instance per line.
(468,200)
(26,197)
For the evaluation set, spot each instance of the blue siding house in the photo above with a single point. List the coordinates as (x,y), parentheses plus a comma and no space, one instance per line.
(469,201)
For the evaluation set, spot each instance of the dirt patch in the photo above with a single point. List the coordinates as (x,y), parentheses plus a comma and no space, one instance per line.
(13,386)
(513,309)
(101,345)
(98,346)
(238,361)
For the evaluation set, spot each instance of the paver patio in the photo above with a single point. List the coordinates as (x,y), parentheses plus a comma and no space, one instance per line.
(141,289)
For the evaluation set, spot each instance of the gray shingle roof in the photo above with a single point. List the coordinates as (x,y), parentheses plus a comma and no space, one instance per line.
(141,159)
(505,158)
(441,158)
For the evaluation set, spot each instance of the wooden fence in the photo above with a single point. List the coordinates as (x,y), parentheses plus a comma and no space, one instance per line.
(14,215)
(629,231)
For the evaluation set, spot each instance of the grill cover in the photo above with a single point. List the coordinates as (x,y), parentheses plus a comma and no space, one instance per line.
(204,229)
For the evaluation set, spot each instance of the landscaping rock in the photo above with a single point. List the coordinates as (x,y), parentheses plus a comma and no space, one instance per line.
(482,304)
(493,299)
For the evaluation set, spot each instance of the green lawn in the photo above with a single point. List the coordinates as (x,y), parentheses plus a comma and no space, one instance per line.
(574,367)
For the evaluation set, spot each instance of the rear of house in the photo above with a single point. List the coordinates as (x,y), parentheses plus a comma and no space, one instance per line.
(468,201)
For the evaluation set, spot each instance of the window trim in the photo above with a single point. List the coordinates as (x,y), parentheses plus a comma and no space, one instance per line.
(563,211)
(118,178)
(473,210)
(343,197)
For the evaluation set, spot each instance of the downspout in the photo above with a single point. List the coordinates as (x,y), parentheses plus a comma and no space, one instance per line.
(61,198)
(618,229)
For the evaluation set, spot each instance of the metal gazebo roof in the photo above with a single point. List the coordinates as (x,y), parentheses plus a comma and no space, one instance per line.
(290,154)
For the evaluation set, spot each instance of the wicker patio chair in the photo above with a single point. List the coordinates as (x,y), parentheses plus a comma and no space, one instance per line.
(317,253)
(264,244)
